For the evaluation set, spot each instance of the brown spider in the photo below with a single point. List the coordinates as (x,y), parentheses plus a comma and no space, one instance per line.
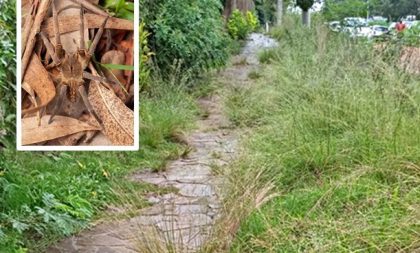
(72,65)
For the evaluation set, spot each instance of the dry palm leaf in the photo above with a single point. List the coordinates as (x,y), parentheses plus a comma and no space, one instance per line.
(61,126)
(80,138)
(118,119)
(38,79)
(31,38)
(70,140)
(93,21)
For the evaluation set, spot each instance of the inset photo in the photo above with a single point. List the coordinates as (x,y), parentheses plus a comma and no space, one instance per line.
(77,86)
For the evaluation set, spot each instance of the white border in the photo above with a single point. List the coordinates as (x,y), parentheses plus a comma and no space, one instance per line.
(19,146)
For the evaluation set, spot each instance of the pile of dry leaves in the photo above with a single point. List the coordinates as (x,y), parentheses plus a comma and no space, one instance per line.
(78,87)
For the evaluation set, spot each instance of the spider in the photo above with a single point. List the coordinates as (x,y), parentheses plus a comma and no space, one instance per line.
(71,65)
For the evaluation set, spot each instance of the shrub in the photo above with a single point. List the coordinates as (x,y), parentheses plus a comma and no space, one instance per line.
(252,21)
(7,72)
(189,32)
(145,55)
(240,25)
(411,37)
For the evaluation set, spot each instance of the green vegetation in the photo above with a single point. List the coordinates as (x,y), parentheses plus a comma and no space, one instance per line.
(266,10)
(48,195)
(145,58)
(120,8)
(411,37)
(392,9)
(240,24)
(332,126)
(187,33)
(337,10)
(7,73)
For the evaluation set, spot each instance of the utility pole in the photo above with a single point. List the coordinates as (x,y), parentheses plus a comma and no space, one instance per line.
(279,11)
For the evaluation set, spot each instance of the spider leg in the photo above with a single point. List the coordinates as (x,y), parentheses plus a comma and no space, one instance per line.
(50,48)
(85,99)
(100,79)
(58,45)
(61,94)
(97,37)
(82,30)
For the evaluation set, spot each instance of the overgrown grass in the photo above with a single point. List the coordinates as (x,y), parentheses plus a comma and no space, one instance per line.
(334,126)
(48,195)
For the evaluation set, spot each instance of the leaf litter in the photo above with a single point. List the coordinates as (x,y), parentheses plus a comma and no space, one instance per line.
(107,91)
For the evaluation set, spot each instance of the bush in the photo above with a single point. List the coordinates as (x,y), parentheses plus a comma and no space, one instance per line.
(7,72)
(189,32)
(145,55)
(411,37)
(240,25)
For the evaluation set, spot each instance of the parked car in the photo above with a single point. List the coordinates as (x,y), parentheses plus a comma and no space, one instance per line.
(377,19)
(378,31)
(335,26)
(409,18)
(362,32)
(414,23)
(355,22)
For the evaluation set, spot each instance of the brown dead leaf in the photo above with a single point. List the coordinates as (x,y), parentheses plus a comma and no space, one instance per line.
(116,75)
(33,99)
(61,126)
(128,45)
(114,57)
(100,140)
(67,23)
(38,79)
(80,138)
(69,140)
(118,119)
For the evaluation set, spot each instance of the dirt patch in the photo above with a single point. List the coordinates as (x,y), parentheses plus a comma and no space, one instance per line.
(410,60)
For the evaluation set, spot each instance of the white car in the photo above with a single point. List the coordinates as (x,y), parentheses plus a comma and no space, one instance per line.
(378,30)
(378,19)
(355,21)
(335,26)
(363,31)
(413,24)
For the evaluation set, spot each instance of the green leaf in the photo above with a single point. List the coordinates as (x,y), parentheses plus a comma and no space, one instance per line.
(118,66)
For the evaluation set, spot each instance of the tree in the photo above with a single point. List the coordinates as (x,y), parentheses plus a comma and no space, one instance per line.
(392,9)
(305,5)
(396,9)
(339,9)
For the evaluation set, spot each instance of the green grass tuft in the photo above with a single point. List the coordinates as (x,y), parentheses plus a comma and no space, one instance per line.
(335,127)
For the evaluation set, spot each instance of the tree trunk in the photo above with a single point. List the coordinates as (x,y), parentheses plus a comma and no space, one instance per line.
(234,5)
(306,18)
(279,12)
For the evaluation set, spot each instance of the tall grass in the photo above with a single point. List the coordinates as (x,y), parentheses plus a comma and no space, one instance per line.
(334,125)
